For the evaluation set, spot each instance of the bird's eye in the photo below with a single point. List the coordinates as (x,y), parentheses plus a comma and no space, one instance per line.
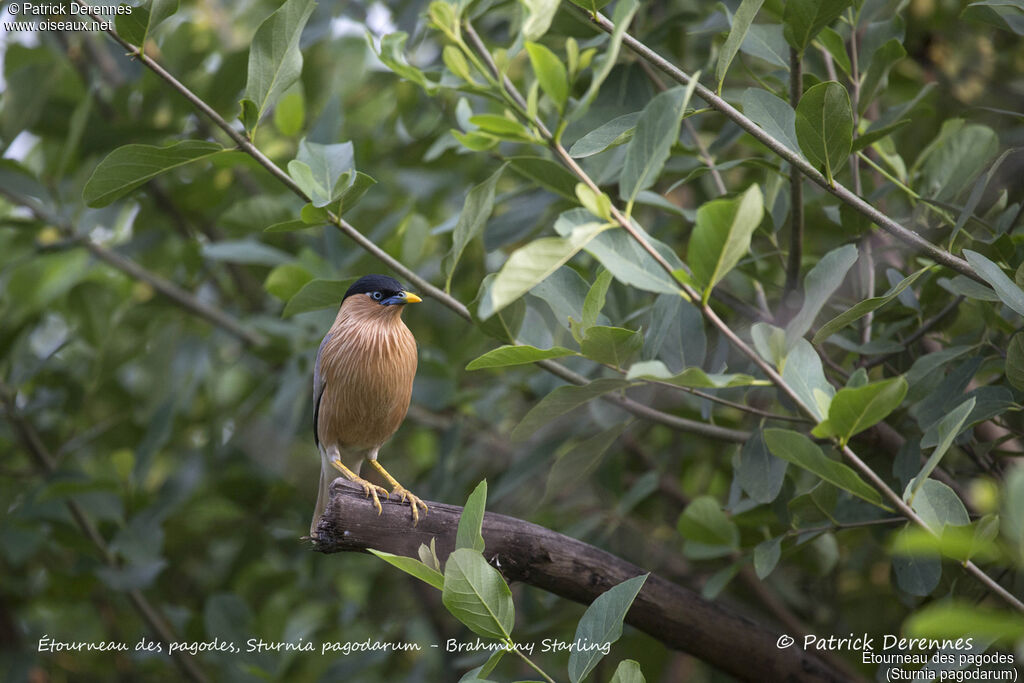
(377,296)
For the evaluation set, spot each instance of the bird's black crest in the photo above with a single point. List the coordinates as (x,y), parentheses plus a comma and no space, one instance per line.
(388,286)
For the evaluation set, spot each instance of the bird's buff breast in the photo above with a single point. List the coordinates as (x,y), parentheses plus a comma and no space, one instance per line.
(368,383)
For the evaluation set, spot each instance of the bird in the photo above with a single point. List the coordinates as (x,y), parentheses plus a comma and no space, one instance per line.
(362,384)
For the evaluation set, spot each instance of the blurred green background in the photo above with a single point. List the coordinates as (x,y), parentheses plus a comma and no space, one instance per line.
(190,449)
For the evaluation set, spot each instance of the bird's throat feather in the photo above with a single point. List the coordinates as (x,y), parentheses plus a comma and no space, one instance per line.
(368,368)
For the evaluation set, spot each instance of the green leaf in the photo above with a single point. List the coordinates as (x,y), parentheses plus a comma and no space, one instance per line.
(741,22)
(602,623)
(802,370)
(290,113)
(956,157)
(773,114)
(770,343)
(350,196)
(819,285)
(519,354)
(539,14)
(690,377)
(547,174)
(476,595)
(1012,511)
(721,236)
(470,531)
(766,556)
(877,76)
(580,460)
(615,346)
(244,251)
(917,575)
(475,212)
(976,194)
(501,126)
(623,16)
(804,19)
(593,304)
(1007,290)
(128,167)
(937,505)
(481,672)
(657,130)
(703,521)
(457,63)
(957,618)
(392,54)
(824,126)
(611,134)
(628,671)
(322,171)
(1007,15)
(317,294)
(286,280)
(855,409)
(444,16)
(275,61)
(765,41)
(798,449)
(836,46)
(136,26)
(413,567)
(949,426)
(597,203)
(627,260)
(861,309)
(760,473)
(529,265)
(561,401)
(592,5)
(873,135)
(1015,362)
(312,215)
(550,72)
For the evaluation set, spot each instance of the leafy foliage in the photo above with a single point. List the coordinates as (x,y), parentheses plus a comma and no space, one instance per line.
(561,205)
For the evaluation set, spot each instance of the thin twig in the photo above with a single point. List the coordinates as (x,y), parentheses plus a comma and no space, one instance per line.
(796,191)
(868,265)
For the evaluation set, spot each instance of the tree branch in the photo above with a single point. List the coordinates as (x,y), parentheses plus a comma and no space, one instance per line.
(796,190)
(575,570)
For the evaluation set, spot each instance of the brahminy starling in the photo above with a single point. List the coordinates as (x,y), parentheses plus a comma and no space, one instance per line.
(362,383)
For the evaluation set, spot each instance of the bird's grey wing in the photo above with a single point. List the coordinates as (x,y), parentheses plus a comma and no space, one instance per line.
(318,388)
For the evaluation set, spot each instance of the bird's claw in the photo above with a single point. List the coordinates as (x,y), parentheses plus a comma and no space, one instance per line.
(371,490)
(414,501)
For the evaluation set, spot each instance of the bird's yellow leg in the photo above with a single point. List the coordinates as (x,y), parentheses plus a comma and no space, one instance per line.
(370,488)
(414,500)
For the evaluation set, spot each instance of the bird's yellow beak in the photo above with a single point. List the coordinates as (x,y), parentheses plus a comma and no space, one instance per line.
(411,298)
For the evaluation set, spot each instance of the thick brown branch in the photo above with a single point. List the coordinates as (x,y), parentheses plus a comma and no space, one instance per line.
(575,570)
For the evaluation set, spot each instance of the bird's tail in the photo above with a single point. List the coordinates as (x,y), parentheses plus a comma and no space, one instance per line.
(326,478)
